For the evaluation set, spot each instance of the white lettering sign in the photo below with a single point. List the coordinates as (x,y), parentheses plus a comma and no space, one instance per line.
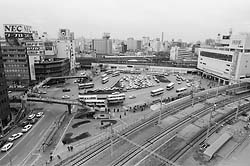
(17,28)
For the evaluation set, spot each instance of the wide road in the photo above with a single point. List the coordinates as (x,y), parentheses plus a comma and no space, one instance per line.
(31,141)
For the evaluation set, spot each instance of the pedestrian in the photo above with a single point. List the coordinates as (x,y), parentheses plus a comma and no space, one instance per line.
(124,113)
(71,148)
(58,156)
(120,116)
(68,148)
(50,158)
(117,109)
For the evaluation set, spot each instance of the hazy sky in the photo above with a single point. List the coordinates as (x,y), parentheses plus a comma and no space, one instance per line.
(189,20)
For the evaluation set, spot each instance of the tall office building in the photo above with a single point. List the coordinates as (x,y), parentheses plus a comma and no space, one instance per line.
(103,46)
(5,115)
(134,45)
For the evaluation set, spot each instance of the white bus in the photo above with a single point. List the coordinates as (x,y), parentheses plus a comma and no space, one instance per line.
(104,80)
(116,98)
(181,89)
(86,85)
(104,75)
(157,92)
(87,97)
(170,86)
(95,103)
(116,73)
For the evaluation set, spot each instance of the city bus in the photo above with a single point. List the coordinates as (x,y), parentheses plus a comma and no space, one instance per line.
(104,80)
(87,97)
(86,85)
(116,73)
(104,75)
(95,103)
(181,89)
(116,98)
(157,92)
(170,86)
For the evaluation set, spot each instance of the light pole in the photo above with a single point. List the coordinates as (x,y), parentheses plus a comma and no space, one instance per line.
(209,123)
(159,121)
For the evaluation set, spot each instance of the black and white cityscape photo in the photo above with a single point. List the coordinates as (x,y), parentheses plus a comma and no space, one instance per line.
(124,83)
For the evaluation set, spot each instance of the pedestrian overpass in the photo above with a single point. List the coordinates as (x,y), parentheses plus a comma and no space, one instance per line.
(69,103)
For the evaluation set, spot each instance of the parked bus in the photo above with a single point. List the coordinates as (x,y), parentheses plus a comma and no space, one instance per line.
(104,75)
(170,86)
(95,103)
(116,98)
(86,85)
(104,80)
(108,72)
(181,89)
(116,73)
(157,92)
(87,97)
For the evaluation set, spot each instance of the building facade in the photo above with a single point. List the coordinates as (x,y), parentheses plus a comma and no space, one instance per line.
(230,63)
(178,54)
(16,65)
(52,68)
(5,115)
(102,46)
(134,45)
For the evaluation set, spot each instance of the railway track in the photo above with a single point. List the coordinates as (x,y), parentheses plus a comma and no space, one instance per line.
(127,156)
(90,152)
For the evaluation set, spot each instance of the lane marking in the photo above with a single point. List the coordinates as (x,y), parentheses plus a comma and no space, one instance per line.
(25,135)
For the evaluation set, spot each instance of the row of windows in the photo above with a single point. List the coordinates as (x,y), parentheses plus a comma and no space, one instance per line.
(16,70)
(16,55)
(22,76)
(15,60)
(13,50)
(15,65)
(224,57)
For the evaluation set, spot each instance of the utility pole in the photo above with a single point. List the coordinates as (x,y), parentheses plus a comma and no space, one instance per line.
(209,124)
(237,110)
(111,138)
(159,121)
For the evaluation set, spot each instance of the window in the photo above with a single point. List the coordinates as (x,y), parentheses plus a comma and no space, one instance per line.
(224,57)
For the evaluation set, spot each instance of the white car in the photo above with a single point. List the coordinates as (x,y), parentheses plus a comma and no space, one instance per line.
(26,128)
(31,116)
(6,147)
(39,114)
(132,97)
(179,82)
(15,136)
(188,84)
(65,97)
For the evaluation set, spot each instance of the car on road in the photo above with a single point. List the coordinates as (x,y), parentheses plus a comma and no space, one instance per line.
(66,90)
(2,142)
(132,97)
(24,123)
(31,116)
(189,85)
(39,114)
(179,82)
(65,97)
(42,92)
(26,128)
(33,121)
(15,136)
(6,147)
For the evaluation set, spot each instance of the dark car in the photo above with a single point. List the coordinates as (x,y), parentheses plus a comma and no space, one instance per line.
(66,90)
(33,121)
(2,142)
(24,123)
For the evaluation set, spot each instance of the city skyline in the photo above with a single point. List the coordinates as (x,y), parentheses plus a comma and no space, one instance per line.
(187,20)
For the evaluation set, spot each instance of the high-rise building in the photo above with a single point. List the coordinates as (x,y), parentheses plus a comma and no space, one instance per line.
(134,45)
(103,46)
(178,54)
(5,115)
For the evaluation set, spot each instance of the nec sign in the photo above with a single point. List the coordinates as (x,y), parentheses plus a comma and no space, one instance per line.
(17,28)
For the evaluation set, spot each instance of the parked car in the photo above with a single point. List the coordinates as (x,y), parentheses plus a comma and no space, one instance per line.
(65,97)
(132,97)
(66,90)
(179,82)
(15,136)
(2,142)
(39,114)
(6,147)
(31,116)
(26,128)
(33,121)
(24,123)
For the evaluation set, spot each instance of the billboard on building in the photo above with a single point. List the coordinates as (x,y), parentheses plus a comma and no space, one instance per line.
(32,67)
(15,33)
(35,47)
(64,34)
